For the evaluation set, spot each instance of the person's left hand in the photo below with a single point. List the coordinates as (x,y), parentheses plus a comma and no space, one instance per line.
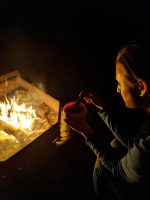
(77,121)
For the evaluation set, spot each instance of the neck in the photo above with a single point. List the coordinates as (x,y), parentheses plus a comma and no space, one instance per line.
(146,105)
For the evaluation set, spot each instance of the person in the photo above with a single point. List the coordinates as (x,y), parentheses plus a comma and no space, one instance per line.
(123,174)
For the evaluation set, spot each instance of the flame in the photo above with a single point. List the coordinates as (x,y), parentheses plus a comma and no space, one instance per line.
(18,115)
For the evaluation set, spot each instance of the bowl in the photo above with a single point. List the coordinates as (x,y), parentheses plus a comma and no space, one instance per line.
(73,110)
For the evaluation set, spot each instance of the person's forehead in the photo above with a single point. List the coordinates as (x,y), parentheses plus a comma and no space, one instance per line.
(123,74)
(121,69)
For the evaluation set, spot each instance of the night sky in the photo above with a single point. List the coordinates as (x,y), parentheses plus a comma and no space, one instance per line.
(67,47)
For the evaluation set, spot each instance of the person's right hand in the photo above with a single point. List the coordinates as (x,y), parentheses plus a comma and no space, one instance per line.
(77,120)
(92,97)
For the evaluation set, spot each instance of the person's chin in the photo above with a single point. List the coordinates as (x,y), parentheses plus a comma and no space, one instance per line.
(130,106)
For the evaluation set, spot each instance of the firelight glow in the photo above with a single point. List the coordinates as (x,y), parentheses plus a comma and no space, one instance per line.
(26,112)
(19,116)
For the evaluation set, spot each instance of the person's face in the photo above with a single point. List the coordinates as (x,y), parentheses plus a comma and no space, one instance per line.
(127,86)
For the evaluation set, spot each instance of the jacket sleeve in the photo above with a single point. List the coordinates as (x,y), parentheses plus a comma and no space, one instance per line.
(123,128)
(131,167)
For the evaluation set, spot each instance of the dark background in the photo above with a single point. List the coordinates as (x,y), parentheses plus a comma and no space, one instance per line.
(62,47)
(68,46)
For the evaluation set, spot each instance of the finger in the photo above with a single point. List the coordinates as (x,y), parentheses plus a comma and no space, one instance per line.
(68,122)
(88,100)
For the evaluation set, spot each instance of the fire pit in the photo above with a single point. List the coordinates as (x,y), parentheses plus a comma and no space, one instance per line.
(26,112)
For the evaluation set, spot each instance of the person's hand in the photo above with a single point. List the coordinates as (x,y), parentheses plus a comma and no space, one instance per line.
(92,97)
(81,127)
(77,121)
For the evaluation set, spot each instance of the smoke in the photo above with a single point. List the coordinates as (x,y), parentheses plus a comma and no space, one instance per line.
(48,62)
(40,86)
(18,51)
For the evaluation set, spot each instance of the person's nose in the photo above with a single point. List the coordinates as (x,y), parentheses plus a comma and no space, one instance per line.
(118,89)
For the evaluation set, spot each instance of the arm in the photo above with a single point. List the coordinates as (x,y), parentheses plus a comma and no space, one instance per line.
(128,126)
(111,119)
(132,167)
(129,168)
(122,122)
(118,126)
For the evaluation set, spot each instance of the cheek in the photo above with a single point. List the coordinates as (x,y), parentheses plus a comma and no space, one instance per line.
(130,98)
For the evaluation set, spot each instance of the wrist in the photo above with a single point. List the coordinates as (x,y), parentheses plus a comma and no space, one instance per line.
(100,106)
(87,131)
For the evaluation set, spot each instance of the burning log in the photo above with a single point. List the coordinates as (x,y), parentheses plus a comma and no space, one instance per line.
(13,131)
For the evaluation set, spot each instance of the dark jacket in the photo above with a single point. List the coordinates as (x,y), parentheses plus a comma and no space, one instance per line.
(132,169)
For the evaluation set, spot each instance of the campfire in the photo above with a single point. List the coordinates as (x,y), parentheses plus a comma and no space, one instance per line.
(25,113)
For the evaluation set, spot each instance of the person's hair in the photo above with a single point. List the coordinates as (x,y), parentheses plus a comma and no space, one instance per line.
(135,55)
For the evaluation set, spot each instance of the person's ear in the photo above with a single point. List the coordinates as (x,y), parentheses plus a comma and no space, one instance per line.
(142,87)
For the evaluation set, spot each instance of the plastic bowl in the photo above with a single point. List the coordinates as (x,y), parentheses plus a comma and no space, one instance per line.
(72,111)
